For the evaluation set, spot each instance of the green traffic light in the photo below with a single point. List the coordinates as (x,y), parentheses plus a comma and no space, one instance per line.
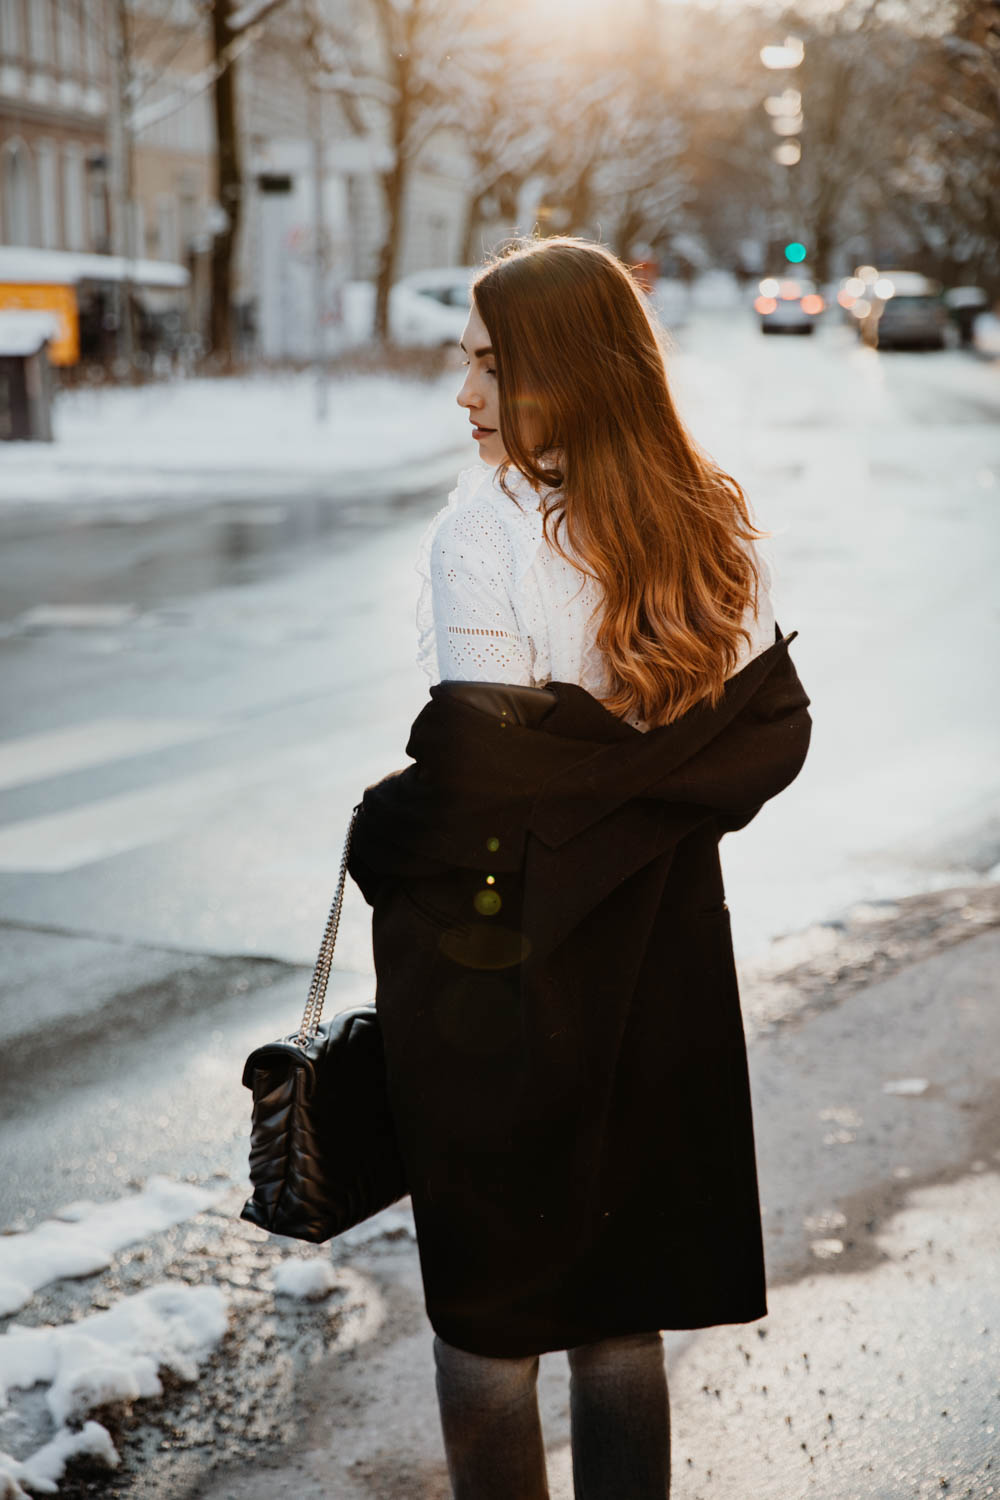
(795,252)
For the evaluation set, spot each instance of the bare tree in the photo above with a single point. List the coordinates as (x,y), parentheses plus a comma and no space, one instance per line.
(230,25)
(419,40)
(502,110)
(945,172)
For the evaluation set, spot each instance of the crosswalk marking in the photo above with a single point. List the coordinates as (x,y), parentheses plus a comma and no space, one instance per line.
(112,825)
(33,757)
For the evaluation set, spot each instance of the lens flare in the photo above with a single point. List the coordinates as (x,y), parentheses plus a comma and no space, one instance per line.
(765,305)
(845,298)
(884,289)
(813,304)
(769,287)
(790,291)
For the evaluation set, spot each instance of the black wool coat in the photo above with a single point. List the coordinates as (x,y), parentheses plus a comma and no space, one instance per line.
(559,1004)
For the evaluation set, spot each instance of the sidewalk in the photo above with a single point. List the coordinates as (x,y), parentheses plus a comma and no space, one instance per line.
(874,1375)
(243,435)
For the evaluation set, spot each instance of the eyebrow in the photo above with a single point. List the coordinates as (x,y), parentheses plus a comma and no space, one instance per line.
(480,353)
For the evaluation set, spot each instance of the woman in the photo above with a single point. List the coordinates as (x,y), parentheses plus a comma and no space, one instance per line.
(556,985)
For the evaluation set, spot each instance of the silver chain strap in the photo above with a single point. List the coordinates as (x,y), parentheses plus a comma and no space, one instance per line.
(321,973)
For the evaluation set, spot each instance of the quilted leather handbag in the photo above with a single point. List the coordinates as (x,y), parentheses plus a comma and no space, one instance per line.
(323,1152)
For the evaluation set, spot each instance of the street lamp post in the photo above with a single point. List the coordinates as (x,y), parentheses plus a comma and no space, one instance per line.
(121,180)
(319,252)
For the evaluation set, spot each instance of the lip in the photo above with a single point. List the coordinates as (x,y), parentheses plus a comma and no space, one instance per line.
(482,432)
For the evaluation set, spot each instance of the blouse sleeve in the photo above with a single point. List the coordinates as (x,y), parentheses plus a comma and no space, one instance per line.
(476,633)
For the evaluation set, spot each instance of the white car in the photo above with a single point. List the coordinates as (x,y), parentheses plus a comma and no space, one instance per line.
(431,307)
(427,310)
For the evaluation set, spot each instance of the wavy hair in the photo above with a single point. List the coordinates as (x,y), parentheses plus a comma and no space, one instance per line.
(585,409)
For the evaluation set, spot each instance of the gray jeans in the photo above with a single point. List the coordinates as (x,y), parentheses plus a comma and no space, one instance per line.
(619,1416)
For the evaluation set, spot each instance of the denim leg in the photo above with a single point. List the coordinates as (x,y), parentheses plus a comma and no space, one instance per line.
(492,1432)
(620,1417)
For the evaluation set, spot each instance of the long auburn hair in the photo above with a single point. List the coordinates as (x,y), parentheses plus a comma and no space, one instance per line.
(585,409)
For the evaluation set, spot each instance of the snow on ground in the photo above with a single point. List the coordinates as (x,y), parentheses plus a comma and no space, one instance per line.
(309,1279)
(106,1358)
(84,1236)
(115,1355)
(242,431)
(48,1464)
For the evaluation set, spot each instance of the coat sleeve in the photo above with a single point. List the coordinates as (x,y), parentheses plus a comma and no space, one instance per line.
(761,753)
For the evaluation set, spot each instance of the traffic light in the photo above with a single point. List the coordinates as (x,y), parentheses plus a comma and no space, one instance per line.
(795,252)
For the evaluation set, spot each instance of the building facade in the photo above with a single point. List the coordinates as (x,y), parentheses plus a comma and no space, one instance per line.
(107,145)
(55,74)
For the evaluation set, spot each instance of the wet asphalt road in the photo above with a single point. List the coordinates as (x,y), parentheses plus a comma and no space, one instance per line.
(145,553)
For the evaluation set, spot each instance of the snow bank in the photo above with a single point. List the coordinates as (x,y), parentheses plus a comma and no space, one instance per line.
(258,431)
(84,1236)
(304,1278)
(114,1356)
(48,1464)
(106,1358)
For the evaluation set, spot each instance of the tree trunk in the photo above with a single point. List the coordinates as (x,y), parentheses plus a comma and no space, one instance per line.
(393,185)
(472,250)
(229,183)
(402,48)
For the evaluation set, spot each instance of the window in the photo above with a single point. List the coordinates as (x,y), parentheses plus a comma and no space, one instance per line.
(40,31)
(136,246)
(18,194)
(73,196)
(92,44)
(69,36)
(167,239)
(48,195)
(11,32)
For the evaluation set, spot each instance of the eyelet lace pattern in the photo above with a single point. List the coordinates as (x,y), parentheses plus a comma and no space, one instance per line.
(498,604)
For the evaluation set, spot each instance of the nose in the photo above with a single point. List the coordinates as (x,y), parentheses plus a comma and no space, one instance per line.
(468,396)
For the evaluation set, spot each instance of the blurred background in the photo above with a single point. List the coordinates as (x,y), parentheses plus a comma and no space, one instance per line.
(278,179)
(236,242)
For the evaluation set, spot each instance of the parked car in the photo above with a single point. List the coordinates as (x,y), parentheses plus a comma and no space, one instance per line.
(788,304)
(965,304)
(986,334)
(427,310)
(420,317)
(907,312)
(449,286)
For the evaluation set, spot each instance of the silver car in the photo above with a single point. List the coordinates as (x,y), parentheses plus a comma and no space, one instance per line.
(788,304)
(908,322)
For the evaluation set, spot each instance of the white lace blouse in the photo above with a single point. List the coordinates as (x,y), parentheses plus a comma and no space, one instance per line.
(498,604)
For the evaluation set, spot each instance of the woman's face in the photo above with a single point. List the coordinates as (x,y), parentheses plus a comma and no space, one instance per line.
(479,395)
